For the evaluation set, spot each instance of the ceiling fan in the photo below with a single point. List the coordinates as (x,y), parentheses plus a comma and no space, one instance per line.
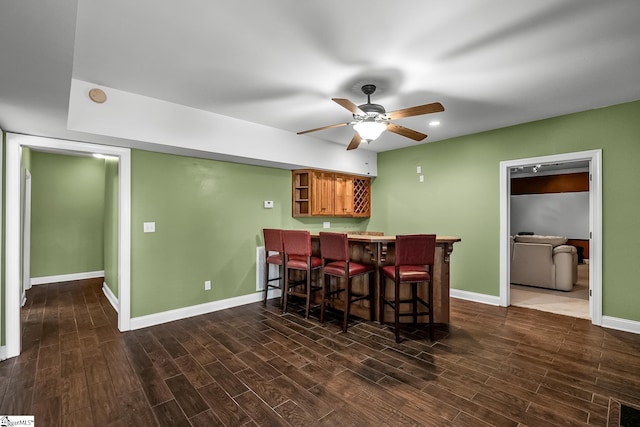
(370,120)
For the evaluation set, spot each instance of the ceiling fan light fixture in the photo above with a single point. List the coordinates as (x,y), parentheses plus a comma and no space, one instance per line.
(370,130)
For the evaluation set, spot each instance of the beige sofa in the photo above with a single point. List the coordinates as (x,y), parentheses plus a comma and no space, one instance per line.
(544,261)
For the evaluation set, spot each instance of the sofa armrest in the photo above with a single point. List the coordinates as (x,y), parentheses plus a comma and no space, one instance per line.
(565,257)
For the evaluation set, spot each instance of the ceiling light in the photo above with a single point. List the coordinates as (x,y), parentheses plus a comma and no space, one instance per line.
(434,123)
(369,129)
(103,156)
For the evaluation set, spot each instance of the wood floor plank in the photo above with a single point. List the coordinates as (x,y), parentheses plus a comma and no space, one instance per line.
(302,398)
(105,403)
(196,374)
(264,389)
(186,395)
(135,409)
(74,393)
(154,387)
(261,413)
(47,383)
(294,415)
(229,382)
(80,418)
(254,366)
(206,419)
(170,414)
(46,411)
(225,408)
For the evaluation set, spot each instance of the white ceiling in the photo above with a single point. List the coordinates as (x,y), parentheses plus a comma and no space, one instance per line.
(491,63)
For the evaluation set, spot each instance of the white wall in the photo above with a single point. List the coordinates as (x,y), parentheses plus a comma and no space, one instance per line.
(135,117)
(558,214)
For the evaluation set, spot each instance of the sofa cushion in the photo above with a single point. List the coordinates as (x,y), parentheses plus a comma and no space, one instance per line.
(550,240)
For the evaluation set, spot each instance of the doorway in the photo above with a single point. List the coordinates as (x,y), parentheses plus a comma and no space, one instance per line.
(594,223)
(13,265)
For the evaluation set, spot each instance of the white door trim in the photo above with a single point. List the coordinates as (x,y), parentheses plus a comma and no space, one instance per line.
(14,143)
(595,223)
(26,236)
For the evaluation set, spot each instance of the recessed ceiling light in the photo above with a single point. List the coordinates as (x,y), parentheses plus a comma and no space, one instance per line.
(434,123)
(103,156)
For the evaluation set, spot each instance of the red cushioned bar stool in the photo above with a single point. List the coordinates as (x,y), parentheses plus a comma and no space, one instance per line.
(298,256)
(413,264)
(273,255)
(336,262)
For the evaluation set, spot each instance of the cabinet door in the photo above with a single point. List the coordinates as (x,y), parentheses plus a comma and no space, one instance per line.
(344,195)
(323,189)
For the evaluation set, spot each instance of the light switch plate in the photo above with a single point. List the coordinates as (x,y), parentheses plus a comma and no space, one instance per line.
(326,224)
(421,178)
(419,169)
(149,227)
(268,204)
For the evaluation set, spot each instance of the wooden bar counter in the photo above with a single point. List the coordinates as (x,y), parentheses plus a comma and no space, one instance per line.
(380,250)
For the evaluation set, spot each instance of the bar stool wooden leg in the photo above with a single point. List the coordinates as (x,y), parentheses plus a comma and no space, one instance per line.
(414,302)
(383,280)
(396,308)
(266,284)
(323,296)
(347,303)
(286,291)
(308,305)
(430,299)
(372,299)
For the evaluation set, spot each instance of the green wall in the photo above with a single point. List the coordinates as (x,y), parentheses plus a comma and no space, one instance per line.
(460,195)
(111,211)
(209,218)
(67,214)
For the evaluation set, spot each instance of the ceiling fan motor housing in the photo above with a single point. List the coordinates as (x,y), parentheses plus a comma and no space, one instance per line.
(372,110)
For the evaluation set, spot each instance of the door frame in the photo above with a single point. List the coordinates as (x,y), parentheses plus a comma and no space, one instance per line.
(595,223)
(26,237)
(12,300)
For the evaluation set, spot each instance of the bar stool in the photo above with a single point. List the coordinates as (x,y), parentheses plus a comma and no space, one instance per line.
(334,250)
(273,243)
(298,256)
(413,264)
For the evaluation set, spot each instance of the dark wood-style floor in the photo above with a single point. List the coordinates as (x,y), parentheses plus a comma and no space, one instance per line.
(253,366)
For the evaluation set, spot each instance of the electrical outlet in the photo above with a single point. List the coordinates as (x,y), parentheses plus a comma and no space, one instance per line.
(326,224)
(207,285)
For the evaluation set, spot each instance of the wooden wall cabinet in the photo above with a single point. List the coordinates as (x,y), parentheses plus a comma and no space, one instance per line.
(322,193)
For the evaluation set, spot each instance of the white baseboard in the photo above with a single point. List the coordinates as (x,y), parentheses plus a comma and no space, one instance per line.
(3,352)
(197,310)
(66,277)
(474,296)
(106,290)
(621,324)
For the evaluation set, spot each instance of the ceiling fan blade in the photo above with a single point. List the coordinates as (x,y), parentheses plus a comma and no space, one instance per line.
(349,106)
(435,107)
(406,132)
(324,127)
(355,141)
